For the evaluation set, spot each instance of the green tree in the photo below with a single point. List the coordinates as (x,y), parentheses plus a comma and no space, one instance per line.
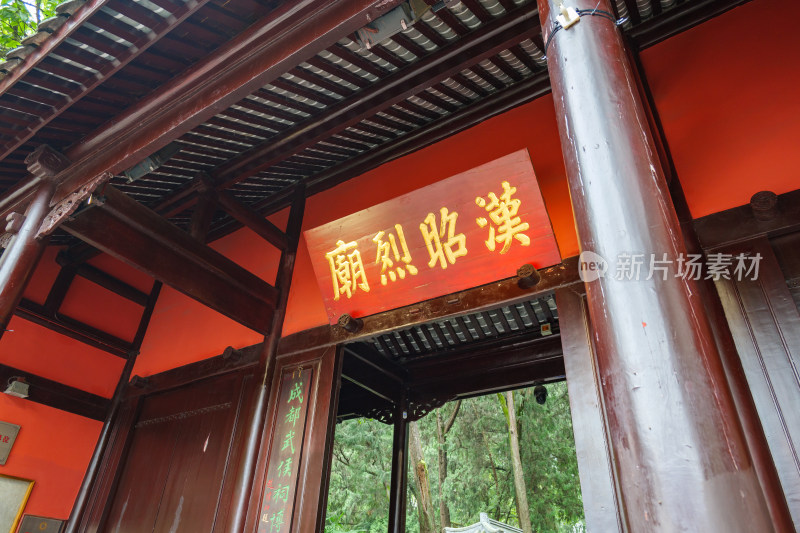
(20,18)
(474,464)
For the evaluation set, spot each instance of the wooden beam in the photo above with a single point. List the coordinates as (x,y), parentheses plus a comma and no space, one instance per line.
(740,223)
(39,314)
(256,222)
(372,372)
(127,230)
(488,296)
(57,395)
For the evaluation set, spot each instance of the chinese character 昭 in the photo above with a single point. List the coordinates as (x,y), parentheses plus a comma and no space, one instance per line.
(503,213)
(296,393)
(387,249)
(741,272)
(285,467)
(292,415)
(288,441)
(347,269)
(447,251)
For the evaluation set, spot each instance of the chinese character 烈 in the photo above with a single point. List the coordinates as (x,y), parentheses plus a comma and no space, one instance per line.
(443,251)
(347,269)
(388,249)
(503,214)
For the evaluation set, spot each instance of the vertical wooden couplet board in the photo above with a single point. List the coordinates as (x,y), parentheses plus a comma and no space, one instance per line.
(290,482)
(289,425)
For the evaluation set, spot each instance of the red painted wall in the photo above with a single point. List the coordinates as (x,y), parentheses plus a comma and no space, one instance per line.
(53,448)
(727,94)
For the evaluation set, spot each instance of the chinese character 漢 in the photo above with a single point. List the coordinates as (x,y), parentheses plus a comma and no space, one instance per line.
(503,214)
(453,247)
(347,269)
(387,249)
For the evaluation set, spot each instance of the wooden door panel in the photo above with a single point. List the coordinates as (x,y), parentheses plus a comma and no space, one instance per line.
(190,500)
(182,444)
(765,325)
(135,505)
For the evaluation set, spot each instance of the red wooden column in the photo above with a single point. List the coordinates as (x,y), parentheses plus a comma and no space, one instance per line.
(22,255)
(680,455)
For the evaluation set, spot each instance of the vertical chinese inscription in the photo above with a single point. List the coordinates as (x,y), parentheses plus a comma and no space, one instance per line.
(285,452)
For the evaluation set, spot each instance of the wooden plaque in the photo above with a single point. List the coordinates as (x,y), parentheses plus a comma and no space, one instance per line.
(289,425)
(40,524)
(467,230)
(8,434)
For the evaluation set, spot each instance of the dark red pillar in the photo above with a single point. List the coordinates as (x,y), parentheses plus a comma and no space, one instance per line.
(680,455)
(22,255)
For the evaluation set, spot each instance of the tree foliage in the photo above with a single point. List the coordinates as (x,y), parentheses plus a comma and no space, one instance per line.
(479,467)
(20,18)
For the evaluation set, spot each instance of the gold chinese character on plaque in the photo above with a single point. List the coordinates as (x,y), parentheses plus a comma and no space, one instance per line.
(505,224)
(389,253)
(347,269)
(440,249)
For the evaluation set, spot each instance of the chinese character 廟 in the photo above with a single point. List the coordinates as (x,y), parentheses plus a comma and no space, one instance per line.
(447,251)
(347,269)
(387,249)
(503,214)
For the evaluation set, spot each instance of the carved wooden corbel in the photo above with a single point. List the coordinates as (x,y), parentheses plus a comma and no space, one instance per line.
(68,205)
